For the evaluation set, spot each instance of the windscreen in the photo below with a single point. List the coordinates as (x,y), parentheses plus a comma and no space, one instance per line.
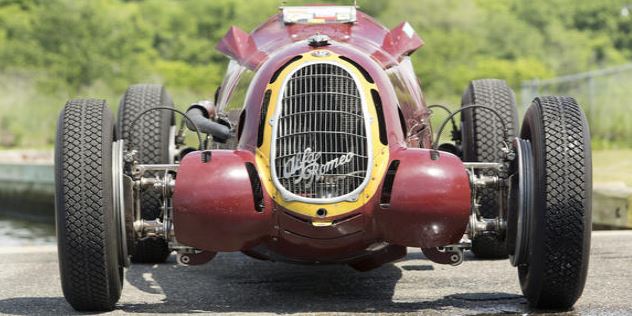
(232,93)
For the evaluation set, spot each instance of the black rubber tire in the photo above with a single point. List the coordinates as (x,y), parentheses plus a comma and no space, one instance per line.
(482,141)
(151,138)
(559,237)
(87,241)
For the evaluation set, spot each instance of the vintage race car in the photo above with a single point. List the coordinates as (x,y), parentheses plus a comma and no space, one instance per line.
(329,158)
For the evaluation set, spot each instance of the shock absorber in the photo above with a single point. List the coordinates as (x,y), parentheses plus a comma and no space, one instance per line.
(478,224)
(164,182)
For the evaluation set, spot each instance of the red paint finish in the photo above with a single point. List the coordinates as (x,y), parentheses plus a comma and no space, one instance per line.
(214,206)
(398,43)
(240,46)
(214,211)
(300,240)
(430,207)
(366,41)
(371,45)
(430,201)
(366,35)
(388,95)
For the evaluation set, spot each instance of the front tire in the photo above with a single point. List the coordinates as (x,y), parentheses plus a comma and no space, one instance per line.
(483,140)
(152,138)
(90,267)
(559,237)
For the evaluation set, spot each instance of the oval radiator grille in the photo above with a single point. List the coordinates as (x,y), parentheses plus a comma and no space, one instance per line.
(321,140)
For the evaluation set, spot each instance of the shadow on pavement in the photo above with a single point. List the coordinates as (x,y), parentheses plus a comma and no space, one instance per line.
(36,306)
(235,283)
(231,283)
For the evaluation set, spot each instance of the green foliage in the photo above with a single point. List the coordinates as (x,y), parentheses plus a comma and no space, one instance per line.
(51,50)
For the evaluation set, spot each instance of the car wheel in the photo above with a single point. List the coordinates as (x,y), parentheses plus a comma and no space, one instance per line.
(87,232)
(482,141)
(554,273)
(151,137)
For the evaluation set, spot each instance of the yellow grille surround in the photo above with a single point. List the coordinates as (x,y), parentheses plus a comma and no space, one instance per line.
(379,151)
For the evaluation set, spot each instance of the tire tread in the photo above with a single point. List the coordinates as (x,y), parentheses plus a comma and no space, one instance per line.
(483,142)
(151,138)
(81,203)
(567,211)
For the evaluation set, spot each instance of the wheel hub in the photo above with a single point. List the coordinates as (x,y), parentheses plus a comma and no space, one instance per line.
(520,202)
(119,202)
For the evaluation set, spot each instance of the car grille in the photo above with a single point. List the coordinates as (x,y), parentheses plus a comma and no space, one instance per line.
(322,148)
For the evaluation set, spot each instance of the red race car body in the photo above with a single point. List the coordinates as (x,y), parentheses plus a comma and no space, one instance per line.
(406,197)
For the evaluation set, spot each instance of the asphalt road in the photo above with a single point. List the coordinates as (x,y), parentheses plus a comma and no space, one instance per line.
(234,283)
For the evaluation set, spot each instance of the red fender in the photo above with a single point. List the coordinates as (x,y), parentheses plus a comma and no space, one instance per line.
(430,200)
(213,203)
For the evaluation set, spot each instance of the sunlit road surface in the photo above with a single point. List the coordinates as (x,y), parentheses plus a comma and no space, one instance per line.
(234,283)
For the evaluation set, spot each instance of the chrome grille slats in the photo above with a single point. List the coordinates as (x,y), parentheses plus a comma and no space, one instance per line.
(321,125)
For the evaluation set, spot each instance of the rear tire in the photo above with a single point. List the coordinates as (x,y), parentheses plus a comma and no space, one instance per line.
(87,231)
(483,140)
(151,137)
(559,236)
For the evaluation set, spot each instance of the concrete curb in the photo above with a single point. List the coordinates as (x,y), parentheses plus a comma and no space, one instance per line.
(27,191)
(612,206)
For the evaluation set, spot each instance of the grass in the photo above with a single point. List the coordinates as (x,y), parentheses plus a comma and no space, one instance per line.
(28,115)
(614,165)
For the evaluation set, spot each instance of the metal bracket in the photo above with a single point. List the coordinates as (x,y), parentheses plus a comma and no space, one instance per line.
(479,225)
(449,254)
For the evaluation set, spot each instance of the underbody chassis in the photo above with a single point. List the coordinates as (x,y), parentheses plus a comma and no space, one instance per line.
(331,160)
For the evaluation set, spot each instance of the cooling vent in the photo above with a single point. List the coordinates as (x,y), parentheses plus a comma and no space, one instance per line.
(321,146)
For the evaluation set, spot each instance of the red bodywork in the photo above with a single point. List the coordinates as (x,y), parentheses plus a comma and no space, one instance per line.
(214,203)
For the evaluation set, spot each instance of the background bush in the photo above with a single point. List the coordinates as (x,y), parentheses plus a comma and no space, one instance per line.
(52,50)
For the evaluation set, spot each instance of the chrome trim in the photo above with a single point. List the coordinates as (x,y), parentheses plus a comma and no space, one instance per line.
(118,198)
(173,149)
(366,154)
